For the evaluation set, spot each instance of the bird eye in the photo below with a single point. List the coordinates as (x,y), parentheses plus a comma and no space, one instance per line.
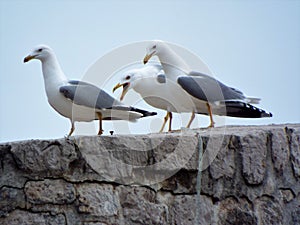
(154,47)
(39,50)
(127,77)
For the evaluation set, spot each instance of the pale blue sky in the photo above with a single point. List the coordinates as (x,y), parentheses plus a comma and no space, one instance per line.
(251,45)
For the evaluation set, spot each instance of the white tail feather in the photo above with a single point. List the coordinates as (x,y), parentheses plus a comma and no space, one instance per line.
(253,100)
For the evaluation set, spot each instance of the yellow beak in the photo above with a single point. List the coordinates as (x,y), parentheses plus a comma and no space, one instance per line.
(124,91)
(147,57)
(117,86)
(28,58)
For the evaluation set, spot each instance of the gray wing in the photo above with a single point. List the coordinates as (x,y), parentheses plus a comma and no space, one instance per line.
(207,88)
(161,77)
(85,94)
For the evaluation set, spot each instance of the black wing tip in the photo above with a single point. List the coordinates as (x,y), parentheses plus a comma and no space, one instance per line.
(147,113)
(150,114)
(266,114)
(245,110)
(144,112)
(262,112)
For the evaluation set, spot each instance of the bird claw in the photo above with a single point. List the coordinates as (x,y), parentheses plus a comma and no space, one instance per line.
(174,131)
(67,137)
(211,125)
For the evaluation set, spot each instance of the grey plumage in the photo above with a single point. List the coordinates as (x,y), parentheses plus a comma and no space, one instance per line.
(85,94)
(206,88)
(161,78)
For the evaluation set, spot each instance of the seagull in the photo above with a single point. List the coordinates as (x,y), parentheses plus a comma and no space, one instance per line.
(209,95)
(78,100)
(150,82)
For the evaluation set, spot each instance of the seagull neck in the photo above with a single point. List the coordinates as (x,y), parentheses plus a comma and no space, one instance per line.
(52,70)
(172,63)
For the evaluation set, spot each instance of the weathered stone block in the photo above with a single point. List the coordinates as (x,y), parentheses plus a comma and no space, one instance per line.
(280,150)
(10,174)
(49,191)
(140,207)
(182,182)
(20,217)
(287,195)
(224,164)
(50,157)
(295,151)
(185,210)
(268,210)
(10,199)
(97,200)
(295,217)
(144,160)
(231,211)
(254,152)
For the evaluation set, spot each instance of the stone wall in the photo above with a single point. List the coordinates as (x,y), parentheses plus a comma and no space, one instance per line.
(251,175)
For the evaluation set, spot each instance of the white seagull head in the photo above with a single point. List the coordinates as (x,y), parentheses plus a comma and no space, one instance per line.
(40,52)
(156,47)
(139,79)
(128,81)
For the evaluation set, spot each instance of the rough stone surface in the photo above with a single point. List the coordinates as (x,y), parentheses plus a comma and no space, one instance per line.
(49,157)
(254,151)
(287,195)
(295,150)
(21,217)
(232,211)
(250,175)
(49,191)
(269,210)
(140,207)
(10,199)
(223,164)
(280,150)
(184,210)
(97,200)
